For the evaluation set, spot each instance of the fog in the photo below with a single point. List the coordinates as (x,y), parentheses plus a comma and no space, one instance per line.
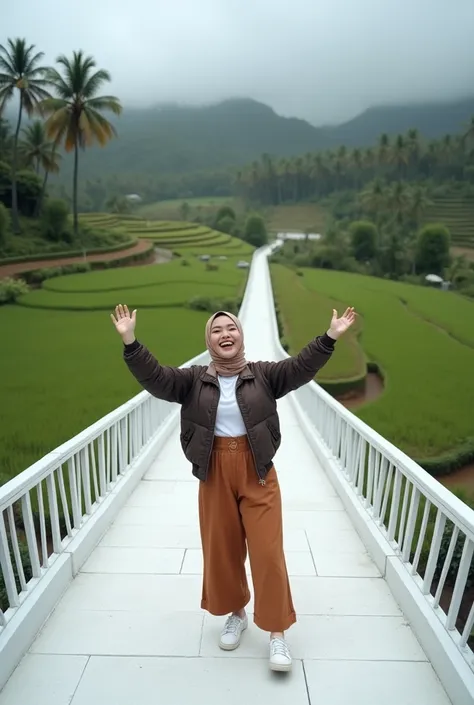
(322,60)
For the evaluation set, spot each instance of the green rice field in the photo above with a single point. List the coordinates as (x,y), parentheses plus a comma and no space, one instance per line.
(422,339)
(61,361)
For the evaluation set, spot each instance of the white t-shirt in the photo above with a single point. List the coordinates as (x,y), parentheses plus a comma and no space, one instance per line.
(229,421)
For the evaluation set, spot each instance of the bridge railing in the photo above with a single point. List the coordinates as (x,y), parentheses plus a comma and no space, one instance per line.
(429,530)
(44,507)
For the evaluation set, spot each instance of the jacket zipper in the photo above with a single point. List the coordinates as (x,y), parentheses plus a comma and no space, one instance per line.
(261,481)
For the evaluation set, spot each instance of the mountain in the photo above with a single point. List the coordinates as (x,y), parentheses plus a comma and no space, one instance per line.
(174,139)
(171,139)
(433,120)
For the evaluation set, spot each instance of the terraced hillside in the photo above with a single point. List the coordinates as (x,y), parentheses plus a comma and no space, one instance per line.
(180,237)
(458,215)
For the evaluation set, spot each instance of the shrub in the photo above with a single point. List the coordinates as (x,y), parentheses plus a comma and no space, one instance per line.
(363,240)
(205,303)
(432,252)
(184,263)
(11,289)
(211,267)
(225,212)
(225,225)
(255,232)
(55,220)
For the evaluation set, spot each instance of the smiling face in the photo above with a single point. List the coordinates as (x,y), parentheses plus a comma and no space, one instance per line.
(225,336)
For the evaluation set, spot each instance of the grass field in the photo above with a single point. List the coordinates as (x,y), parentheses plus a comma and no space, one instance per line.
(422,339)
(458,215)
(62,369)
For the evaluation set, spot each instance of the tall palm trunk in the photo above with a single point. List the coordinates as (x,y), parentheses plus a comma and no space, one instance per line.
(74,196)
(15,216)
(74,188)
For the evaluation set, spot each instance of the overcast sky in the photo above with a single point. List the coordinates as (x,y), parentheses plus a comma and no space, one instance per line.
(323,60)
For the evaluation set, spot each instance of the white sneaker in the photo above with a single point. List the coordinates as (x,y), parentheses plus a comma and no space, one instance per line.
(280,658)
(230,635)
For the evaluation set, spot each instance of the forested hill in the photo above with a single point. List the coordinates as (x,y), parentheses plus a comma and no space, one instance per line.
(175,139)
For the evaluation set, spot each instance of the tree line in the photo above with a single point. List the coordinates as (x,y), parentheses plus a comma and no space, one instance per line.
(68,108)
(405,157)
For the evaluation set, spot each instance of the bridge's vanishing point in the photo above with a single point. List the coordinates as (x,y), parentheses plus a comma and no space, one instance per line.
(111,616)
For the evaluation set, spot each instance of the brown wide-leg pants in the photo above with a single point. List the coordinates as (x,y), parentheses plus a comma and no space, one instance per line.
(234,509)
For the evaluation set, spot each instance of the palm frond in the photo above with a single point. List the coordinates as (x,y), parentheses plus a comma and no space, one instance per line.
(105,102)
(94,82)
(57,81)
(6,65)
(58,122)
(6,95)
(51,105)
(95,128)
(31,62)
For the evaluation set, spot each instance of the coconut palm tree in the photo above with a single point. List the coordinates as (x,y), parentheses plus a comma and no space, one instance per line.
(36,150)
(75,116)
(20,70)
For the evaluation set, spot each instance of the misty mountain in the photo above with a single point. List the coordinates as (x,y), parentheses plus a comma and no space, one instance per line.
(171,139)
(433,120)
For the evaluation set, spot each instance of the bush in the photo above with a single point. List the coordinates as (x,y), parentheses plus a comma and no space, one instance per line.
(55,220)
(432,253)
(363,240)
(184,263)
(225,225)
(225,212)
(11,289)
(205,303)
(4,223)
(255,232)
(211,267)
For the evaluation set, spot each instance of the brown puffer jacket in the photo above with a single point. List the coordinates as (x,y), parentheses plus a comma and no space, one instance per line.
(259,385)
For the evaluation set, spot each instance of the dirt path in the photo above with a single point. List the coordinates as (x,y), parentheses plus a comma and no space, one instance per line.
(9,270)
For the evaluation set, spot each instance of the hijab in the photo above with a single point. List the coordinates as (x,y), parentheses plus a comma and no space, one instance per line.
(226,366)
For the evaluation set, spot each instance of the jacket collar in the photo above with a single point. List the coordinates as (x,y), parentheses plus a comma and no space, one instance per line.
(209,374)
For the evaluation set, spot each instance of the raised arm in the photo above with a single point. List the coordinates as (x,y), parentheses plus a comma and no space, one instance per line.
(169,383)
(292,373)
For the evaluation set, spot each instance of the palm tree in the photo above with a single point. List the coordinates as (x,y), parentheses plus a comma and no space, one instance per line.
(20,70)
(38,152)
(419,203)
(75,115)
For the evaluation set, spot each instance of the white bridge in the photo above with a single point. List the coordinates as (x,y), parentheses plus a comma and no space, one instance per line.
(104,605)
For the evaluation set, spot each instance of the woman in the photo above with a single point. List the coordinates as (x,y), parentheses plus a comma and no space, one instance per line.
(230,433)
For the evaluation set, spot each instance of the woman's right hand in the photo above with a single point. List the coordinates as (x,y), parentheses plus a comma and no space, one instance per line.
(124,323)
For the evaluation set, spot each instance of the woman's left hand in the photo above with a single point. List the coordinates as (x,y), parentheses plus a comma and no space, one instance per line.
(339,325)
